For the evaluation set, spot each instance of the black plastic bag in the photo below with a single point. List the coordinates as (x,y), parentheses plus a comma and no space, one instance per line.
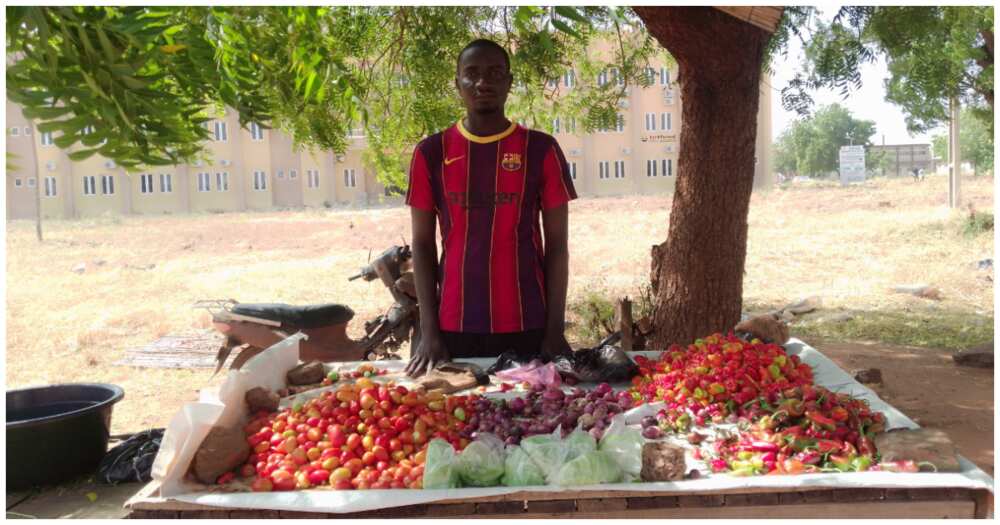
(132,459)
(601,364)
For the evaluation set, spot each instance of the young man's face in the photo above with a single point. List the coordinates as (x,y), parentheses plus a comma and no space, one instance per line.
(483,80)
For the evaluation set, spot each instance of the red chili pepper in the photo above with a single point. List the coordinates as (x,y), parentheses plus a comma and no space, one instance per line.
(821,420)
(839,414)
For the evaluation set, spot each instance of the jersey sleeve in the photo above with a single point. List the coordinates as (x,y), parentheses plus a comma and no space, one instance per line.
(418,195)
(557,185)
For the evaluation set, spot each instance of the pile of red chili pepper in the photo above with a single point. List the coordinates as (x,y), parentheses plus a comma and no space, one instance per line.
(788,424)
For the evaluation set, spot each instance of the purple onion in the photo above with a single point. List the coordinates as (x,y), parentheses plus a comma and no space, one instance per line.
(648,421)
(652,432)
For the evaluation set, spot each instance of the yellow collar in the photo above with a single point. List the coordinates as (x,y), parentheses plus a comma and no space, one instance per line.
(486,140)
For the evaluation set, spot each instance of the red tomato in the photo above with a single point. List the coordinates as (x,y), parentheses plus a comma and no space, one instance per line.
(353,441)
(282,480)
(262,485)
(319,476)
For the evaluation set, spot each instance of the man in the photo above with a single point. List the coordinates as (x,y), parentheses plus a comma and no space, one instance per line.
(486,180)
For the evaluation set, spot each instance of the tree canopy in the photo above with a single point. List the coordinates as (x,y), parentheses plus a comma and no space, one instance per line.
(975,142)
(148,78)
(811,146)
(933,53)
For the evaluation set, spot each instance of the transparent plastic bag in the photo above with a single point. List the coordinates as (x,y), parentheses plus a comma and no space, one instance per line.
(592,468)
(624,444)
(481,463)
(520,470)
(579,443)
(439,467)
(534,373)
(548,451)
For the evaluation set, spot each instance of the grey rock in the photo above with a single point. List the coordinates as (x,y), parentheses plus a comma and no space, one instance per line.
(985,264)
(924,445)
(842,317)
(804,306)
(868,376)
(978,357)
(920,290)
(80,268)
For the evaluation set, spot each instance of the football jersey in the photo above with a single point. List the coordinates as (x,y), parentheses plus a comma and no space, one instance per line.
(487,194)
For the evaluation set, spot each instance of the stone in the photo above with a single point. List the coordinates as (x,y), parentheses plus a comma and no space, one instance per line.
(804,306)
(223,449)
(842,317)
(662,461)
(868,376)
(985,264)
(924,445)
(80,268)
(978,357)
(260,398)
(920,290)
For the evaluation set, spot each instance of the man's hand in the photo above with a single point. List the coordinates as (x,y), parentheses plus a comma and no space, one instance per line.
(554,344)
(428,354)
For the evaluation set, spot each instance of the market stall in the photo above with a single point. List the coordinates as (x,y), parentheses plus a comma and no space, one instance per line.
(722,474)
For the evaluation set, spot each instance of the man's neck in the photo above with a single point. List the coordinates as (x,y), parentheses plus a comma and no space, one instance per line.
(486,125)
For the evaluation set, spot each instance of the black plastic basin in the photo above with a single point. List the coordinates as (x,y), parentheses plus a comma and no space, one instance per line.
(56,433)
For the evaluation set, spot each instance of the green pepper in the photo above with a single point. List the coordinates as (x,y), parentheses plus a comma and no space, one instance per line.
(297,407)
(775,371)
(861,463)
(333,376)
(699,393)
(780,360)
(459,414)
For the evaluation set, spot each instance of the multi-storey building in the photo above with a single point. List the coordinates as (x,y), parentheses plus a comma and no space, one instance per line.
(258,169)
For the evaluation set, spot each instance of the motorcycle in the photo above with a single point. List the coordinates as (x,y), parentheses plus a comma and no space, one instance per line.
(252,327)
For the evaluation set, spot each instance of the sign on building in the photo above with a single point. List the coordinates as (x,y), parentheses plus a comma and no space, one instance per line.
(852,164)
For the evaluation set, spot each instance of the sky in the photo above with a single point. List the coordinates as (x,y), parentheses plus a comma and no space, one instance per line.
(867,103)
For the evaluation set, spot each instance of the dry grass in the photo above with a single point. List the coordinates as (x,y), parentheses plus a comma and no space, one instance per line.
(64,326)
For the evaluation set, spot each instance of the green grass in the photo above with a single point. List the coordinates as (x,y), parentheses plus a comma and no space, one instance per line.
(949,330)
(977,223)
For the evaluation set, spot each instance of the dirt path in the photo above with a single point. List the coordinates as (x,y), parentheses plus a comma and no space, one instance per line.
(926,385)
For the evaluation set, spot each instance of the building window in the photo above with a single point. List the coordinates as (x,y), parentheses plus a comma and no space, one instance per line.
(349,179)
(204,181)
(664,76)
(256,132)
(145,183)
(47,138)
(650,121)
(555,125)
(50,186)
(620,125)
(618,76)
(87,130)
(220,131)
(552,83)
(292,174)
(650,168)
(665,123)
(603,169)
(31,182)
(571,125)
(108,184)
(281,174)
(313,178)
(668,96)
(27,131)
(15,131)
(89,185)
(569,78)
(166,184)
(222,181)
(619,169)
(572,170)
(668,167)
(17,182)
(602,78)
(259,181)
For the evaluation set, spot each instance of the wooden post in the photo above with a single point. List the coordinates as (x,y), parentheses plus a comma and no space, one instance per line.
(954,157)
(623,322)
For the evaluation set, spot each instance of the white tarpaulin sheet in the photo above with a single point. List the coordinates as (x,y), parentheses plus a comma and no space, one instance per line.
(192,423)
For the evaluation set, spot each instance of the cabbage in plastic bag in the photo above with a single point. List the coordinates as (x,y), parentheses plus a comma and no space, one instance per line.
(579,443)
(624,444)
(482,462)
(520,470)
(548,452)
(591,468)
(439,467)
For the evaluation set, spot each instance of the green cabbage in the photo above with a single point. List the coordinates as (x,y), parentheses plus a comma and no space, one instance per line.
(520,470)
(579,443)
(439,467)
(547,451)
(482,462)
(625,446)
(591,468)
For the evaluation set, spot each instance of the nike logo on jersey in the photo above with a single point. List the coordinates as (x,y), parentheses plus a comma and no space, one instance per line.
(448,162)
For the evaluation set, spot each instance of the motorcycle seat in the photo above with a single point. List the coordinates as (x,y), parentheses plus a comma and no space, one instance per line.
(308,316)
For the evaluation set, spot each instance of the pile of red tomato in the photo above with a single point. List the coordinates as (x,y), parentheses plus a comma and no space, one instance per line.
(362,435)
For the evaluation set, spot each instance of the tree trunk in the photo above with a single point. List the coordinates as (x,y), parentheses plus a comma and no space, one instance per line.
(697,274)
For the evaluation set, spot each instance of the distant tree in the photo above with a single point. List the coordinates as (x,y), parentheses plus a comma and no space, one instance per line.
(933,53)
(975,140)
(811,146)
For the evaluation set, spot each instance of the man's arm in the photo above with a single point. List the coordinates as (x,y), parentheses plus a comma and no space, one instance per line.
(555,223)
(430,350)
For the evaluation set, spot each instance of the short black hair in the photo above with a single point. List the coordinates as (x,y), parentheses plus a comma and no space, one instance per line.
(483,43)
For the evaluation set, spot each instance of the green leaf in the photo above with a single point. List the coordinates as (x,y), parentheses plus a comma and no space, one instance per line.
(570,12)
(562,26)
(110,53)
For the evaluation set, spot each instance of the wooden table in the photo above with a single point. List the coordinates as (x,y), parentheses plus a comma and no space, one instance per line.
(769,503)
